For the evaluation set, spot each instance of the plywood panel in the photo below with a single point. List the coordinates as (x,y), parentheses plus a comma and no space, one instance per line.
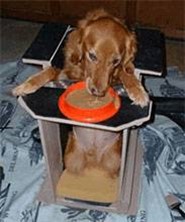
(68,11)
(168,14)
(75,10)
(27,5)
(27,10)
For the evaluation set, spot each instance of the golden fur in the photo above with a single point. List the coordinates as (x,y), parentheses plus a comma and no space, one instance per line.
(88,148)
(99,51)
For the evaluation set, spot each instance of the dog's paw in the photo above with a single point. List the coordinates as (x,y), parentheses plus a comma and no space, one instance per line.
(139,96)
(23,89)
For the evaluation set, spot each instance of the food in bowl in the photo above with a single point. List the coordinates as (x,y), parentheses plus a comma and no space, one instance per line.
(83,99)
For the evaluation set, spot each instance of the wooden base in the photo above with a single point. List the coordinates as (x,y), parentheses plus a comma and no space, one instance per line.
(93,185)
(128,188)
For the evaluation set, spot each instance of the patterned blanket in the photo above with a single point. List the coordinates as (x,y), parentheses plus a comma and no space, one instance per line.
(23,170)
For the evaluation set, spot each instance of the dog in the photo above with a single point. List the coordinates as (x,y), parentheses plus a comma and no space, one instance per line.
(100,51)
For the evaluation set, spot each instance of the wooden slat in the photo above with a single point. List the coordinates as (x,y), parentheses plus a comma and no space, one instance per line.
(50,138)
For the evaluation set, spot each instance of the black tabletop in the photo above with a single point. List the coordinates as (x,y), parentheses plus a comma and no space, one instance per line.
(44,103)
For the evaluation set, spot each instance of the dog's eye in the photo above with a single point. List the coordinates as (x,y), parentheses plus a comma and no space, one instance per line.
(116,62)
(92,57)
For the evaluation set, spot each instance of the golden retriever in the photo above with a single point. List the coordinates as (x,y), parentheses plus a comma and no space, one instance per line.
(99,51)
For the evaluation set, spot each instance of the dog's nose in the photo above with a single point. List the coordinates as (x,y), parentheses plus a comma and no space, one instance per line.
(94,89)
(96,92)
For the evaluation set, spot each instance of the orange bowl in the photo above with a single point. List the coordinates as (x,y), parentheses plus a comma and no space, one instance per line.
(90,115)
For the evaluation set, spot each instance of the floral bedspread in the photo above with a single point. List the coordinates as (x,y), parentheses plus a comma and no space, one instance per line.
(23,169)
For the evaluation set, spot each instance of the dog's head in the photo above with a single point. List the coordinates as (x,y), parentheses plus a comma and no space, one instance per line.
(104,45)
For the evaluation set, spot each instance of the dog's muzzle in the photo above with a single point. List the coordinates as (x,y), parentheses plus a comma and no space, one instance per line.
(94,90)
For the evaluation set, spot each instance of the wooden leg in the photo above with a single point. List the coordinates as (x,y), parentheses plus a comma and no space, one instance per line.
(123,160)
(50,138)
(131,183)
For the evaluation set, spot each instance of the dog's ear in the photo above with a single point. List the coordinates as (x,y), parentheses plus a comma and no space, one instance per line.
(73,47)
(130,49)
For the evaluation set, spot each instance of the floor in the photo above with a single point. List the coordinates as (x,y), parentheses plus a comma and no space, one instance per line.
(17,35)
